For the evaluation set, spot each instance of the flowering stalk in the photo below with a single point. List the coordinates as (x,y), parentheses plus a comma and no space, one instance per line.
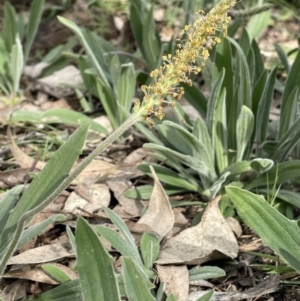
(200,37)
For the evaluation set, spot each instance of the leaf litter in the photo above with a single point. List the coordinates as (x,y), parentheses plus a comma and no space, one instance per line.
(212,238)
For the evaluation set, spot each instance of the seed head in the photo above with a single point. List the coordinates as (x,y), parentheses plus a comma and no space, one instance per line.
(194,44)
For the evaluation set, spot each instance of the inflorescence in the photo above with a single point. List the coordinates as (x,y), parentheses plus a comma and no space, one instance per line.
(195,43)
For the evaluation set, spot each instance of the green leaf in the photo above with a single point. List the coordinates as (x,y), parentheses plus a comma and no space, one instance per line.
(118,222)
(234,26)
(251,65)
(241,94)
(244,128)
(293,81)
(276,231)
(39,228)
(258,23)
(57,116)
(283,57)
(148,134)
(144,192)
(46,181)
(9,32)
(174,139)
(17,64)
(243,81)
(216,91)
(200,165)
(114,68)
(56,273)
(263,110)
(288,196)
(182,116)
(278,174)
(149,248)
(258,60)
(224,59)
(56,65)
(237,168)
(124,243)
(207,296)
(214,189)
(126,90)
(199,151)
(79,33)
(83,101)
(244,42)
(219,132)
(71,237)
(69,291)
(288,113)
(7,203)
(287,143)
(137,17)
(108,101)
(261,165)
(168,176)
(196,98)
(137,287)
(160,295)
(206,272)
(94,265)
(201,133)
(171,297)
(33,24)
(151,41)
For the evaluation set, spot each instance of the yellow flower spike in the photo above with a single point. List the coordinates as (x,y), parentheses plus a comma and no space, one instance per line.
(201,36)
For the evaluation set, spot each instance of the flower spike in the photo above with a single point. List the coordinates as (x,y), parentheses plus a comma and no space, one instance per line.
(196,40)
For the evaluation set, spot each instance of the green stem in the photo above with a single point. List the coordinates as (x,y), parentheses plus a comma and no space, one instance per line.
(29,214)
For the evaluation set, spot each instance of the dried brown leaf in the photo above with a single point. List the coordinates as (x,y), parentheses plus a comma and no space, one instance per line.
(176,280)
(131,206)
(14,291)
(234,226)
(23,159)
(210,239)
(11,178)
(95,172)
(92,198)
(36,274)
(159,217)
(47,253)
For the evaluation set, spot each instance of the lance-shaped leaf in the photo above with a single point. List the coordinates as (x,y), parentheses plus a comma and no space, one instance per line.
(276,231)
(94,265)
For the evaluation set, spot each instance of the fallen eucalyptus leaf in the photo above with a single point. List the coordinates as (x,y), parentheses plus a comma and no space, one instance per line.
(211,239)
(159,217)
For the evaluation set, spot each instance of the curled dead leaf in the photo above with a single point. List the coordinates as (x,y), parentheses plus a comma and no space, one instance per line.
(211,239)
(159,217)
(23,159)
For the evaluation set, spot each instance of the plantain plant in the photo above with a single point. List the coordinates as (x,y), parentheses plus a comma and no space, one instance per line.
(233,149)
(232,141)
(56,176)
(13,57)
